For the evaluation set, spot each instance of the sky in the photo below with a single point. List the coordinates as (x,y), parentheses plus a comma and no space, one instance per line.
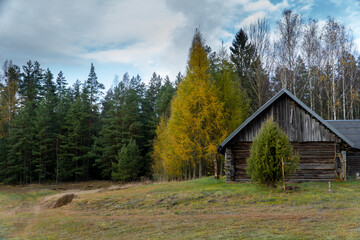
(139,36)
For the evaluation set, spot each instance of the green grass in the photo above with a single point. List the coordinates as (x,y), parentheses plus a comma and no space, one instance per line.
(200,209)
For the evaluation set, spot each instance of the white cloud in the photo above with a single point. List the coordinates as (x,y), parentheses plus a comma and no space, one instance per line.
(252,19)
(147,35)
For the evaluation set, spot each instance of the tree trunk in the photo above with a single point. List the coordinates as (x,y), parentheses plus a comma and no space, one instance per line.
(215,167)
(200,169)
(57,160)
(310,88)
(344,98)
(333,89)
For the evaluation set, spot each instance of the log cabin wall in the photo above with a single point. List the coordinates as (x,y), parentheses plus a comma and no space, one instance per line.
(314,142)
(316,161)
(352,162)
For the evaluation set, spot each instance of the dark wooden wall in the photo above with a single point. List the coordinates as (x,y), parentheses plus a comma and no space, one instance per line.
(241,151)
(292,119)
(352,163)
(316,161)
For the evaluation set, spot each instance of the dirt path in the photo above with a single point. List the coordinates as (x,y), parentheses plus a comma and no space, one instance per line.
(30,200)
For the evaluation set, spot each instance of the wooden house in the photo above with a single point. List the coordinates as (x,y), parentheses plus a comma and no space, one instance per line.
(327,149)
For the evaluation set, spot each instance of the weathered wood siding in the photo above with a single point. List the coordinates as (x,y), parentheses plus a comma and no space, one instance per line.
(229,165)
(292,119)
(241,151)
(316,161)
(352,163)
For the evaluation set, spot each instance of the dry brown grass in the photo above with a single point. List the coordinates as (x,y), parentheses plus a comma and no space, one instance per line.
(201,209)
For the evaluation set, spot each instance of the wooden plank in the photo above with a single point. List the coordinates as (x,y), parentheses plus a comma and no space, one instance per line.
(319,166)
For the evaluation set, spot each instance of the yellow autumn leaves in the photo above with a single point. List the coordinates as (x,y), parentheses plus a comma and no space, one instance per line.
(186,142)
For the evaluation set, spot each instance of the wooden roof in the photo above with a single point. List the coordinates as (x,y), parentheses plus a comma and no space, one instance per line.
(281,93)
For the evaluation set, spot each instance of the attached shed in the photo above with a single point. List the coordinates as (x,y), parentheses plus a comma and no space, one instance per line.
(317,141)
(350,129)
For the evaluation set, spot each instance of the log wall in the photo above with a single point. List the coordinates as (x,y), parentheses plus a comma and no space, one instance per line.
(229,165)
(316,161)
(352,163)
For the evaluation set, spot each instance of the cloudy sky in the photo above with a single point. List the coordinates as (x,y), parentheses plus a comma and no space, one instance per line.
(138,36)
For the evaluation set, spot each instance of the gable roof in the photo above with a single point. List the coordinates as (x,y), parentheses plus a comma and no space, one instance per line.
(282,92)
(349,128)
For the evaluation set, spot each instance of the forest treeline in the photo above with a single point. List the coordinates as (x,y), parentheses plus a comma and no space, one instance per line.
(50,131)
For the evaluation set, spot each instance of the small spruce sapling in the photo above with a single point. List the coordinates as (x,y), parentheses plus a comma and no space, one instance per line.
(270,145)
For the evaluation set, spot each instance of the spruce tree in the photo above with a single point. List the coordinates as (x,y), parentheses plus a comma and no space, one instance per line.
(129,159)
(270,147)
(91,100)
(62,166)
(163,101)
(109,141)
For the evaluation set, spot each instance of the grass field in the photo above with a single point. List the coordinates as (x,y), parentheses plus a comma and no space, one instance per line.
(201,209)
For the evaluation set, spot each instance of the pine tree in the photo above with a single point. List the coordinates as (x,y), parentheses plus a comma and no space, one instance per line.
(23,141)
(74,146)
(123,120)
(19,152)
(150,118)
(45,129)
(149,106)
(134,121)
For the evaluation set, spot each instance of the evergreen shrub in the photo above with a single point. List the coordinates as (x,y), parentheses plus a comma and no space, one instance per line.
(270,146)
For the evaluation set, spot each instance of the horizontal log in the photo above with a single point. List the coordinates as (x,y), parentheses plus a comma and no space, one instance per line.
(302,166)
(315,171)
(242,180)
(299,180)
(313,176)
(241,177)
(315,153)
(318,166)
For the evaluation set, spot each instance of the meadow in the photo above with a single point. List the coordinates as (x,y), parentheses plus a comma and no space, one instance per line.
(199,209)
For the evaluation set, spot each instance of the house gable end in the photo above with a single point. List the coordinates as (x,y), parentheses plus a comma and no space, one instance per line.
(298,121)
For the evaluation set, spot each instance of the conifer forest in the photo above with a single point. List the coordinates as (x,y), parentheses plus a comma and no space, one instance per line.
(53,131)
